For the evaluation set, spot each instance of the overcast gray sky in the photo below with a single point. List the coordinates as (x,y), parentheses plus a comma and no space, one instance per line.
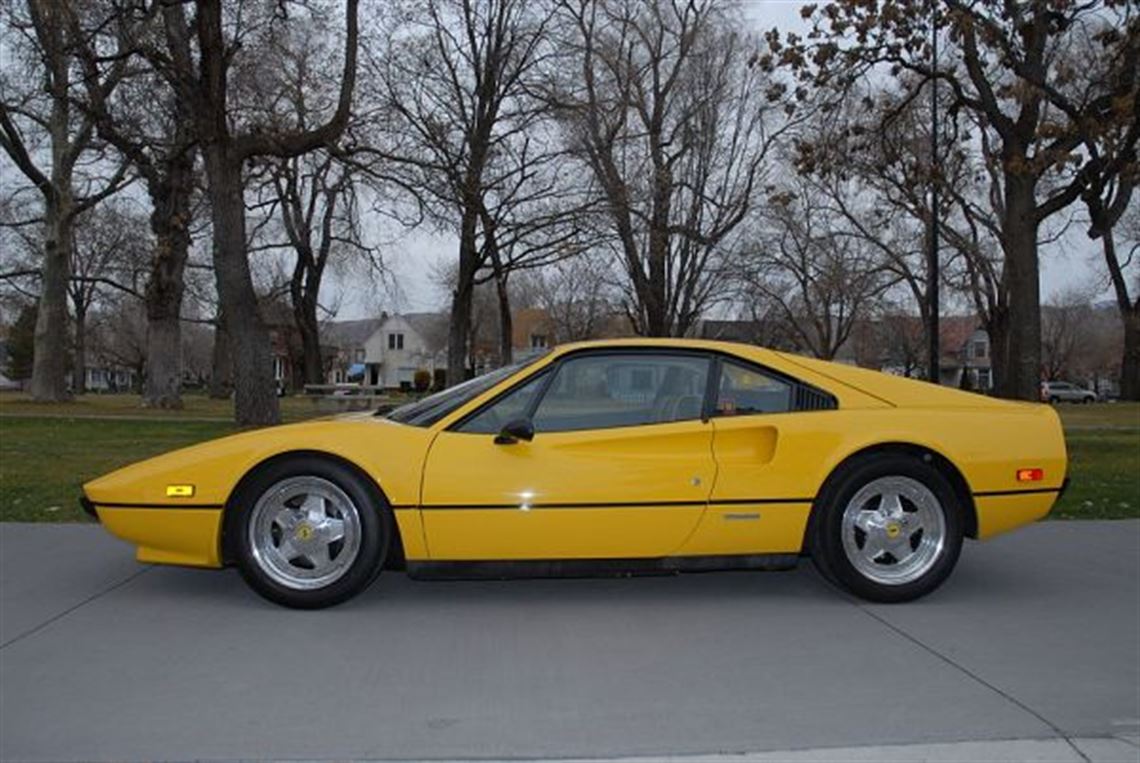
(1074,261)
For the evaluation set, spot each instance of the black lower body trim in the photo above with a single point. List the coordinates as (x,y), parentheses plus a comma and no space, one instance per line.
(88,507)
(161,505)
(590,568)
(610,505)
(1029,491)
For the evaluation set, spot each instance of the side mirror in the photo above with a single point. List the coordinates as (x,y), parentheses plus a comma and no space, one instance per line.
(519,429)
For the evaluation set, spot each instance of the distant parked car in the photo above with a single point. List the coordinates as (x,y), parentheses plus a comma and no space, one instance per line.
(1065,392)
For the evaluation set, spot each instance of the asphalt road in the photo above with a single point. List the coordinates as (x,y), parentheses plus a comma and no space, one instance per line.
(1036,635)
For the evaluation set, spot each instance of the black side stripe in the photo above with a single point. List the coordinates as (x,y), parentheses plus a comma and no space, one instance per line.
(1030,491)
(158,506)
(608,505)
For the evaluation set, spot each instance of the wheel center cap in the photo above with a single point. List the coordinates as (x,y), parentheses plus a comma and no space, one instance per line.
(304,532)
(893,530)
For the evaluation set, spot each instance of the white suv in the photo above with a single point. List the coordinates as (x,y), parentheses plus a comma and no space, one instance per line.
(1064,392)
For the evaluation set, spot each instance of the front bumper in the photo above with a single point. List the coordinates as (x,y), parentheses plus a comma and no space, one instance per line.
(164,534)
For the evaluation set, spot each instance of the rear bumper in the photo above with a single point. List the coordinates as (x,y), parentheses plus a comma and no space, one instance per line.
(1001,511)
(88,507)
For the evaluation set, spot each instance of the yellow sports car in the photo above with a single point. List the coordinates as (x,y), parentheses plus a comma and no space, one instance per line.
(620,456)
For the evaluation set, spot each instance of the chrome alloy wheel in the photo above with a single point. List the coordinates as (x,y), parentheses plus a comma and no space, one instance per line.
(894,530)
(304,532)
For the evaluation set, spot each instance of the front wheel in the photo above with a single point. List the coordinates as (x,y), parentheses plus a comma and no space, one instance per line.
(309,533)
(888,528)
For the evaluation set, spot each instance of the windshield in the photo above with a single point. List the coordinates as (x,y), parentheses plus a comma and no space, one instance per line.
(425,412)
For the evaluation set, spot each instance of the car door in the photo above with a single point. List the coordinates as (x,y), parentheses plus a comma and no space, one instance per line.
(620,464)
(767,430)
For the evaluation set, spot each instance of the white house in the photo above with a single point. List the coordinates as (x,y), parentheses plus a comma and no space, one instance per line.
(402,345)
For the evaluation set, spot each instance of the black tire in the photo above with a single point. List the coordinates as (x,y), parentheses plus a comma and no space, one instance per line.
(826,528)
(374,530)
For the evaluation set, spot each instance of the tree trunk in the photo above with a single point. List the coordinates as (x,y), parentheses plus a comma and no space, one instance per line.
(1022,375)
(221,363)
(459,329)
(997,328)
(1129,312)
(79,366)
(165,287)
(49,365)
(305,316)
(255,395)
(1130,362)
(506,322)
(163,386)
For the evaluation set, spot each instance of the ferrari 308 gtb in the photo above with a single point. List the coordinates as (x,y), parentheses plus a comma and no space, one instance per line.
(625,456)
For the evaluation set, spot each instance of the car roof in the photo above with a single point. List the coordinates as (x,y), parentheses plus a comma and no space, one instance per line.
(662,342)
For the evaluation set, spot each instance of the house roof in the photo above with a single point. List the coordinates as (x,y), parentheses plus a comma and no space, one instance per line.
(345,334)
(432,328)
(954,331)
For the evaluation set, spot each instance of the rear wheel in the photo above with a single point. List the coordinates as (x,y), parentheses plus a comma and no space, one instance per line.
(888,528)
(309,533)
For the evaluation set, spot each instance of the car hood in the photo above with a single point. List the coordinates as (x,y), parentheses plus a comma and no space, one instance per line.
(378,446)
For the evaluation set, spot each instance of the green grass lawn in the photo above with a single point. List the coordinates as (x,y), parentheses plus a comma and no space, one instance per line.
(1104,462)
(47,452)
(196,406)
(44,460)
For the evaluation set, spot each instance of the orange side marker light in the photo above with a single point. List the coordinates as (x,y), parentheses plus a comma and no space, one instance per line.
(1030,475)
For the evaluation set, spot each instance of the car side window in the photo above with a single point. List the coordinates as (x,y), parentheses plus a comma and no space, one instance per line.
(513,405)
(620,390)
(744,390)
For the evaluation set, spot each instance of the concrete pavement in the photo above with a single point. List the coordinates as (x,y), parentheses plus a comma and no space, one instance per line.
(1035,637)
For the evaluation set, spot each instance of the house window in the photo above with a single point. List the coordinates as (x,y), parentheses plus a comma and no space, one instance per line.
(395,341)
(979,349)
(984,382)
(360,356)
(537,341)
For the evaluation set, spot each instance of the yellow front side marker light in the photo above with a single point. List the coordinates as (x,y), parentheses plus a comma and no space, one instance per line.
(179,491)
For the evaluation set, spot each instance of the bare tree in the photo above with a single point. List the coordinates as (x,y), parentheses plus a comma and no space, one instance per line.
(199,54)
(315,199)
(870,158)
(578,296)
(661,102)
(1066,327)
(1002,63)
(151,125)
(457,84)
(107,259)
(55,150)
(821,283)
(1113,171)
